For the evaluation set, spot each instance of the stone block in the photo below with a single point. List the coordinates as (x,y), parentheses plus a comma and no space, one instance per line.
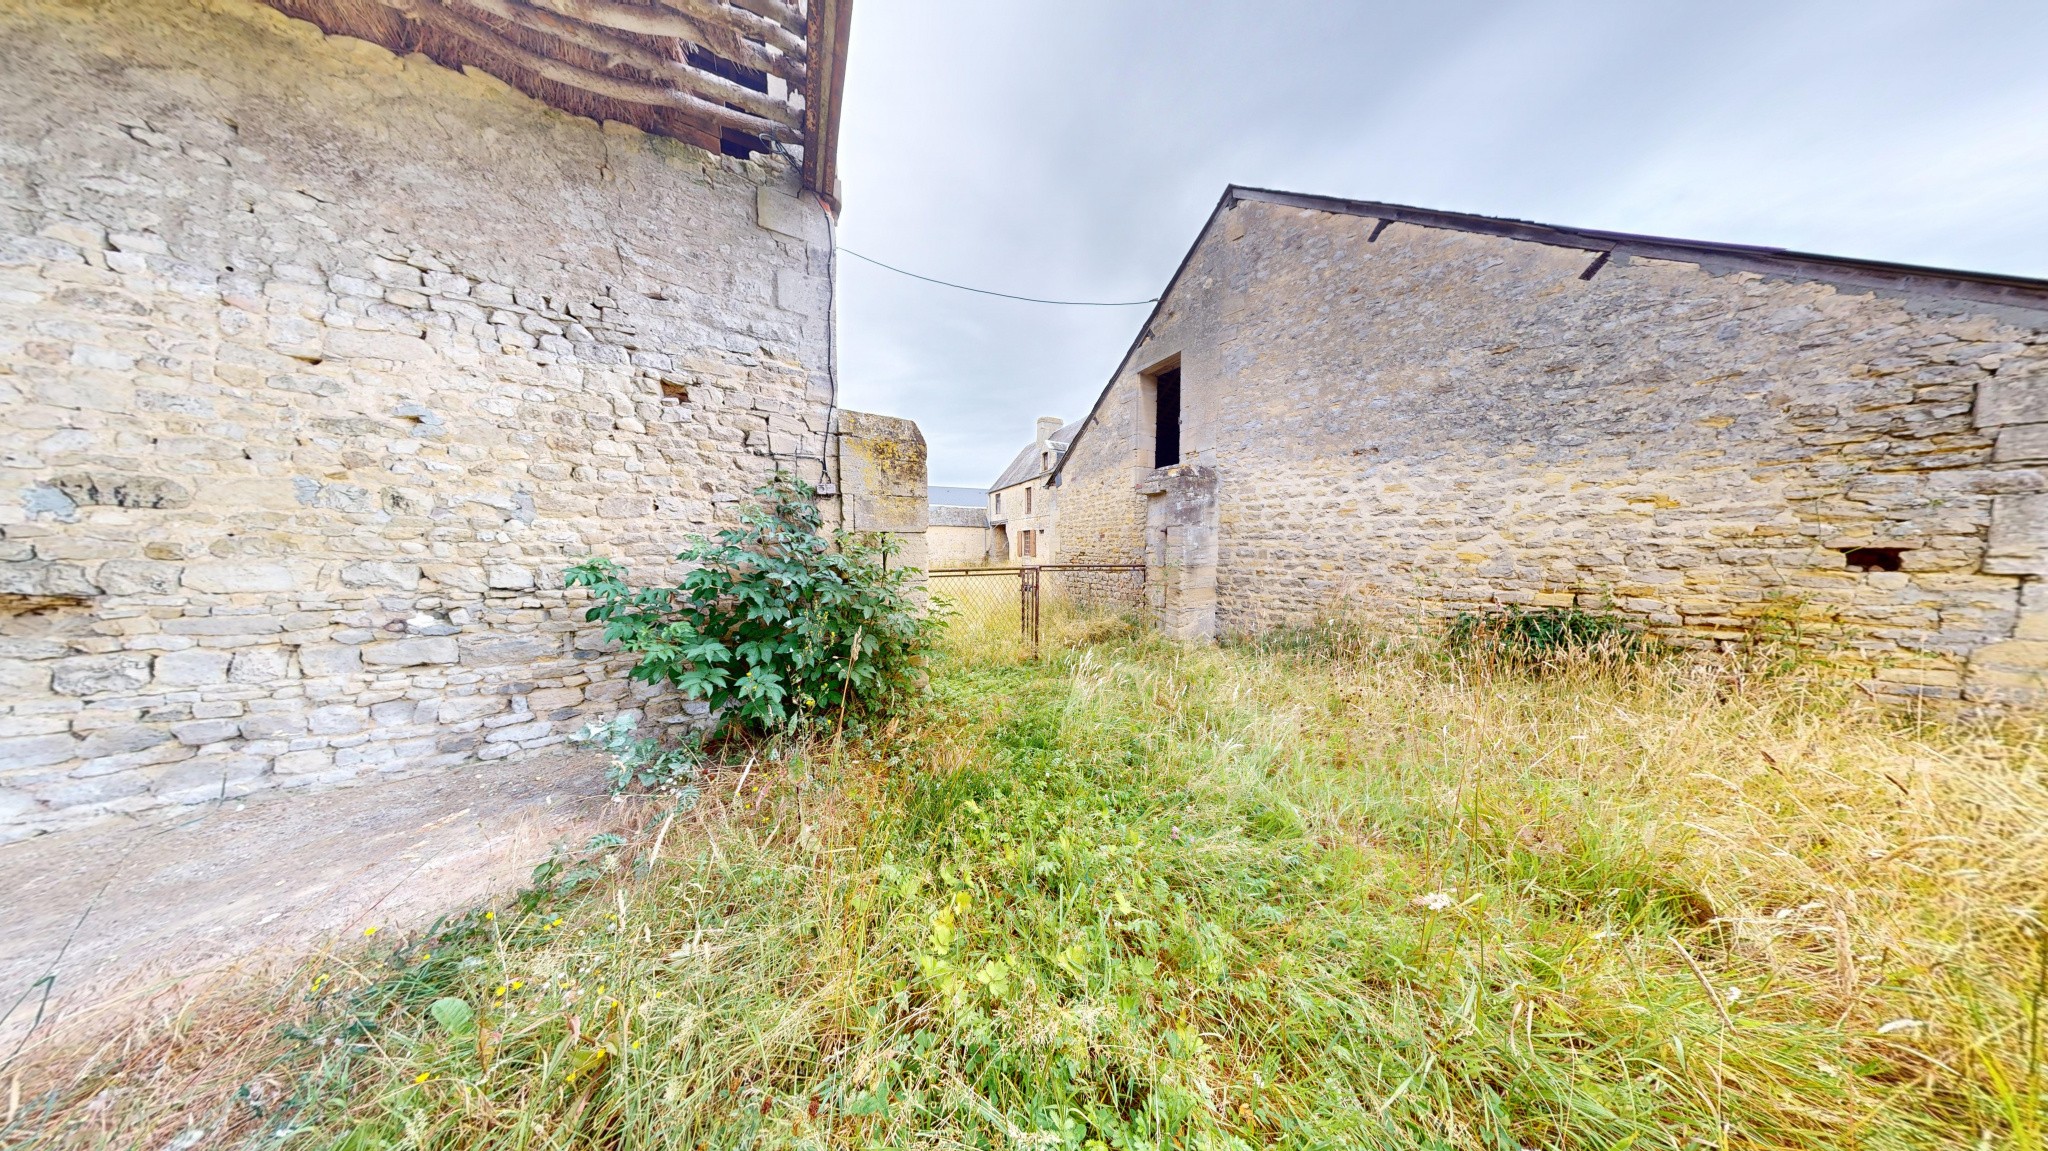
(462,709)
(224,625)
(2022,443)
(100,674)
(381,573)
(456,577)
(273,725)
(138,577)
(193,667)
(41,577)
(2014,398)
(337,719)
(2018,543)
(228,578)
(510,577)
(307,762)
(520,732)
(122,739)
(410,652)
(260,665)
(798,217)
(343,342)
(330,659)
(200,732)
(208,777)
(37,751)
(499,650)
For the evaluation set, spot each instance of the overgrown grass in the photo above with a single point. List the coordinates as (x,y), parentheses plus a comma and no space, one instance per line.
(1315,894)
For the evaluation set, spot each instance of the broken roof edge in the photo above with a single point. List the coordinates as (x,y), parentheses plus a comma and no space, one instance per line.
(1977,287)
(827,26)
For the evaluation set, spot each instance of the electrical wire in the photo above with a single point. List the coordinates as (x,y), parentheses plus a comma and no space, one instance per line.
(1004,295)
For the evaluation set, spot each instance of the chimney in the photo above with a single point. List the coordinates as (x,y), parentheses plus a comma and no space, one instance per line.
(1047,425)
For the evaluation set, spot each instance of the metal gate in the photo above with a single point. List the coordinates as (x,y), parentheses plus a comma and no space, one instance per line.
(1040,603)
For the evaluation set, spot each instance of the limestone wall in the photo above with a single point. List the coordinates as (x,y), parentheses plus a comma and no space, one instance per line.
(1445,419)
(957,537)
(317,366)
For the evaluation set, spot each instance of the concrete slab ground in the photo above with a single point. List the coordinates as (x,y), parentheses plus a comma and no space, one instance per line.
(115,914)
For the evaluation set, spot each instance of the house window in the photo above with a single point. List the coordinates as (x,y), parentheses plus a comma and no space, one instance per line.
(1027,544)
(999,503)
(1027,501)
(1166,418)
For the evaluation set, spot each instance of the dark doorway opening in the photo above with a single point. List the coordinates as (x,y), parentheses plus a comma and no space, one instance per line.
(1166,418)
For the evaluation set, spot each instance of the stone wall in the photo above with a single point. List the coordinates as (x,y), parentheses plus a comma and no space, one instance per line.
(1425,416)
(318,366)
(957,537)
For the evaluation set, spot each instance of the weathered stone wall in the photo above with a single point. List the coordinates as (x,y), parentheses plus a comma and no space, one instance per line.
(957,537)
(1449,419)
(881,469)
(317,366)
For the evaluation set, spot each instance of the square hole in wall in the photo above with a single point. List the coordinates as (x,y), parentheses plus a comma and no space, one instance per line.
(674,393)
(1873,559)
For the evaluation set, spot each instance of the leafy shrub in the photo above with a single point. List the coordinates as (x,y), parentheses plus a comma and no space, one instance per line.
(644,761)
(778,622)
(1545,639)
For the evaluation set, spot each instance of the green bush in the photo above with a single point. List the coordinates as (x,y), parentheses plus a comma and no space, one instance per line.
(778,623)
(1546,638)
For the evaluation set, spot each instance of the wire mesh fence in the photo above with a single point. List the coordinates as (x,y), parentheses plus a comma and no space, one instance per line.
(1014,613)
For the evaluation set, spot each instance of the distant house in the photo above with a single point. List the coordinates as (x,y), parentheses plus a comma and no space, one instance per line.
(958,531)
(1021,515)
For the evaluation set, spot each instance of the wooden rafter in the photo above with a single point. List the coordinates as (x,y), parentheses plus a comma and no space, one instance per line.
(619,50)
(704,71)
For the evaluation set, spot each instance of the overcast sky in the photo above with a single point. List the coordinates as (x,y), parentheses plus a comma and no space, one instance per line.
(1072,148)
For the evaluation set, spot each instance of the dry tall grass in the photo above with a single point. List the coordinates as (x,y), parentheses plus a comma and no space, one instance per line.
(1327,890)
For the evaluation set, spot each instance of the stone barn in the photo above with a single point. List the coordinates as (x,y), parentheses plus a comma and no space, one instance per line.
(331,331)
(1338,401)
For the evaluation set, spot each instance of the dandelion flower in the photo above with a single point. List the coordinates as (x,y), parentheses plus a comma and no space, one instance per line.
(369,931)
(422,1077)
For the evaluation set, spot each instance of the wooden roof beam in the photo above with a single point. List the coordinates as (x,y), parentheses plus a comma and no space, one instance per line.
(436,14)
(619,50)
(675,25)
(824,88)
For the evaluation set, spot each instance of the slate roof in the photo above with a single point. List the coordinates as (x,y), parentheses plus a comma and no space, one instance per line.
(945,497)
(1026,466)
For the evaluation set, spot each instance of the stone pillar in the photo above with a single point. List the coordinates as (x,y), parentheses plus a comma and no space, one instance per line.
(1181,549)
(881,484)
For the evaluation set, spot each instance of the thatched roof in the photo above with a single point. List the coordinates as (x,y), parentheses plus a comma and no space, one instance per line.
(735,76)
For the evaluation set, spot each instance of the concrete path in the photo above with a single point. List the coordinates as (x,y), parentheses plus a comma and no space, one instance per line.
(118,913)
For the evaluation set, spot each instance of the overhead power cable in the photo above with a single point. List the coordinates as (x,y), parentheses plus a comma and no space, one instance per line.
(1004,295)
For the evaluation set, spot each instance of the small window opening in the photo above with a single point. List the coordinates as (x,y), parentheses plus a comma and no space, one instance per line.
(999,503)
(674,393)
(1874,559)
(1166,419)
(1027,501)
(1027,544)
